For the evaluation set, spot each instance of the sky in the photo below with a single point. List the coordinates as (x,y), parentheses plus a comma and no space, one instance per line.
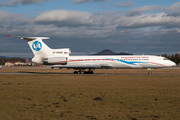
(89,26)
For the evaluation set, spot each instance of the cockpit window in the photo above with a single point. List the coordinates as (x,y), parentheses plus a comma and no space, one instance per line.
(165,59)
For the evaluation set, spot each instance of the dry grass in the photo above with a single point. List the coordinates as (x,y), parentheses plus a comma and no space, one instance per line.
(70,97)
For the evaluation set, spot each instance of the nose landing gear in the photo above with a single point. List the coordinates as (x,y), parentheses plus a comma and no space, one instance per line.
(150,71)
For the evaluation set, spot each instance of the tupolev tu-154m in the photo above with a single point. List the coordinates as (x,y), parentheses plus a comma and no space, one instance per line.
(60,58)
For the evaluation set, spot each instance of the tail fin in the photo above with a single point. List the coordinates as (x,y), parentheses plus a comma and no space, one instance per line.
(38,47)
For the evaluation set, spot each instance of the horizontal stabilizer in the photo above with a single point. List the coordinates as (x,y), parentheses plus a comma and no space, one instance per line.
(28,38)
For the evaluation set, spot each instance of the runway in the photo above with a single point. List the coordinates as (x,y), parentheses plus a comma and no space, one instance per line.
(41,73)
(47,71)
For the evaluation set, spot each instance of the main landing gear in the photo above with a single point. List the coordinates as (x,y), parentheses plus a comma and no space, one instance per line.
(150,71)
(81,71)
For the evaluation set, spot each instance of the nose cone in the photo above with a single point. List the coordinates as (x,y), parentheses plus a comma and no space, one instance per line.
(172,64)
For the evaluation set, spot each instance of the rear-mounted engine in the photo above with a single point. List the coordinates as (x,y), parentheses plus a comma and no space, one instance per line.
(55,61)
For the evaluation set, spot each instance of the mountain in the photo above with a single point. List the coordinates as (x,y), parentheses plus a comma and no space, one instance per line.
(105,52)
(109,52)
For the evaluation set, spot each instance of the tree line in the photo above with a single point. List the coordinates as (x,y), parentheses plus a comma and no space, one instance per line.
(4,60)
(175,58)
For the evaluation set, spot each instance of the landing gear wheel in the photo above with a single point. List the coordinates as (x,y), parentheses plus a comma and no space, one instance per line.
(79,72)
(83,72)
(89,72)
(149,72)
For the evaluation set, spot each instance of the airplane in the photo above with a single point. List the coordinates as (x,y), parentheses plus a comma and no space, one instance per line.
(60,58)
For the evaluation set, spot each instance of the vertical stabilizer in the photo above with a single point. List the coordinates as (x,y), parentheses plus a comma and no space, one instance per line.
(40,50)
(38,47)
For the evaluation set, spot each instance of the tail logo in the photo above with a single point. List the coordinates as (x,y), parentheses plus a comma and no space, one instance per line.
(37,46)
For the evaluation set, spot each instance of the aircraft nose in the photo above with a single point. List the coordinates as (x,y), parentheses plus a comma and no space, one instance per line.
(172,64)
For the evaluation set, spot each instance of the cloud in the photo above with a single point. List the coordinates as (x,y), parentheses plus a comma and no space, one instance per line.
(173,10)
(83,1)
(149,20)
(14,3)
(73,19)
(127,4)
(152,33)
(139,11)
(9,20)
(64,18)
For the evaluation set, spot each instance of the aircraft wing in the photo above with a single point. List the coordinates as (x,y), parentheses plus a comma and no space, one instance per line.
(83,66)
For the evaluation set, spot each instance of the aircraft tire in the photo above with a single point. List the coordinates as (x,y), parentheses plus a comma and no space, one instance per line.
(91,72)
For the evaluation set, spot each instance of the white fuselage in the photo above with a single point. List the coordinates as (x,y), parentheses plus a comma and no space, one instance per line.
(117,62)
(60,58)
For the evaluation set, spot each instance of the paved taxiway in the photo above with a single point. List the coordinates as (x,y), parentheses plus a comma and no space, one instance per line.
(38,73)
(47,71)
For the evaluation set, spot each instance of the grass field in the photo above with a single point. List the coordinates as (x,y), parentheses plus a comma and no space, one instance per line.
(72,97)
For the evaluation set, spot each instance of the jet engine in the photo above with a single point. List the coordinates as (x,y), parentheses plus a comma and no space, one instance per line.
(55,61)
